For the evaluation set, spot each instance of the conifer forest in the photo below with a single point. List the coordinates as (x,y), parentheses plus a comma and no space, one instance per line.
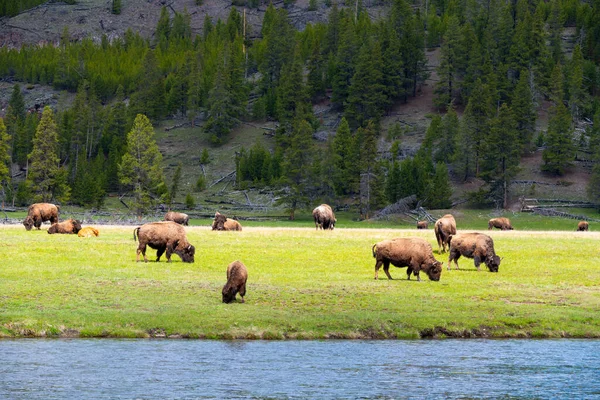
(499,63)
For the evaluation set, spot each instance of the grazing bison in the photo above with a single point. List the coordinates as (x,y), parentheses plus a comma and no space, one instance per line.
(500,223)
(70,226)
(40,212)
(180,218)
(222,223)
(422,224)
(477,246)
(237,275)
(583,226)
(164,235)
(414,253)
(88,231)
(444,228)
(324,217)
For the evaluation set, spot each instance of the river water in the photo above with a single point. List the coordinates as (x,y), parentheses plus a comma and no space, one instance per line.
(200,369)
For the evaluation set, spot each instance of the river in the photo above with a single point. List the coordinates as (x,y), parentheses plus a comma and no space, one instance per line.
(201,369)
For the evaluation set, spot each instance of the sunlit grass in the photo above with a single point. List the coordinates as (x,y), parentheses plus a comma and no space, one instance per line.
(302,284)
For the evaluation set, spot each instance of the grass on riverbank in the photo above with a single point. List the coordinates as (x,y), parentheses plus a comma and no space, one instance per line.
(303,284)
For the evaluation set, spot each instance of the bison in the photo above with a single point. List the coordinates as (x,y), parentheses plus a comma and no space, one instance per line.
(444,228)
(222,223)
(237,275)
(41,212)
(88,231)
(422,224)
(324,217)
(414,253)
(70,226)
(583,226)
(477,246)
(180,218)
(500,223)
(164,236)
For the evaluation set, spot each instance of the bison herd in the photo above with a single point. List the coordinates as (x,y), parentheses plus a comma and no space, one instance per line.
(415,254)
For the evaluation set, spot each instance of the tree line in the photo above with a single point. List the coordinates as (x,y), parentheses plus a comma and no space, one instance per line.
(499,61)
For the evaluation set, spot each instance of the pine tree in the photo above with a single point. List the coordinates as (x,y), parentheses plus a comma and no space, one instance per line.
(163,28)
(44,170)
(116,7)
(439,189)
(447,148)
(448,69)
(174,185)
(342,160)
(140,169)
(14,121)
(576,91)
(524,111)
(344,65)
(5,176)
(370,183)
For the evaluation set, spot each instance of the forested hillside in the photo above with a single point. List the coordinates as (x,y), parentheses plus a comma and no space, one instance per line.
(499,64)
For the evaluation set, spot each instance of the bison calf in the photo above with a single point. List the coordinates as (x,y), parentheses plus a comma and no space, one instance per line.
(324,217)
(444,228)
(237,275)
(477,246)
(501,223)
(88,231)
(164,236)
(222,223)
(414,253)
(422,225)
(583,226)
(70,226)
(41,212)
(180,218)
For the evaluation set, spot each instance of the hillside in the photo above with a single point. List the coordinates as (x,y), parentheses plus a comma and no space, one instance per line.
(92,18)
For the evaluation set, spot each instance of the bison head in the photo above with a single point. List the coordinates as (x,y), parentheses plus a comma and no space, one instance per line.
(229,292)
(76,226)
(434,271)
(493,262)
(187,253)
(218,222)
(28,222)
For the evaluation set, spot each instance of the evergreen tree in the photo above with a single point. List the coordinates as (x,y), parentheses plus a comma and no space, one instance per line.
(576,93)
(371,185)
(524,111)
(344,65)
(448,69)
(174,185)
(44,172)
(342,161)
(5,176)
(291,92)
(439,189)
(140,169)
(163,28)
(447,148)
(14,121)
(116,7)
(593,187)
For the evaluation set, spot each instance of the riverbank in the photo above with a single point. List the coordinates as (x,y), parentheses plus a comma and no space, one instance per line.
(303,284)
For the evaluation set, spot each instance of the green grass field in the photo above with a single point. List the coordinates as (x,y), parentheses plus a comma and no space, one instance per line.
(303,284)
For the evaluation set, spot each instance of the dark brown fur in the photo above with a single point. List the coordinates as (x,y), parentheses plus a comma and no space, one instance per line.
(41,212)
(164,236)
(88,231)
(70,226)
(444,228)
(583,226)
(414,253)
(422,224)
(477,246)
(324,217)
(180,218)
(222,223)
(237,275)
(500,223)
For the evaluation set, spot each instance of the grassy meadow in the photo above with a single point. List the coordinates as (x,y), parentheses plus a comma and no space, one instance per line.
(303,284)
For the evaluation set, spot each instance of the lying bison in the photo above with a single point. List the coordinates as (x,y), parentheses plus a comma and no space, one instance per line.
(444,228)
(164,236)
(477,246)
(237,275)
(70,226)
(222,223)
(180,218)
(422,224)
(324,217)
(88,231)
(500,223)
(41,212)
(414,253)
(583,226)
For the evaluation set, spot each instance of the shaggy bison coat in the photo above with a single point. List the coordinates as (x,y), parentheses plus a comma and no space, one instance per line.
(414,253)
(422,224)
(70,226)
(164,236)
(237,275)
(324,217)
(41,212)
(583,226)
(477,246)
(444,228)
(500,223)
(180,218)
(222,223)
(88,231)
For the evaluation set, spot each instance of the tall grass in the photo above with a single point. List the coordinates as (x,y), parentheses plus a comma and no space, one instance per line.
(302,284)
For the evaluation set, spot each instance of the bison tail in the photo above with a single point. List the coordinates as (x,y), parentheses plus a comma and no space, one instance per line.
(373,250)
(136,230)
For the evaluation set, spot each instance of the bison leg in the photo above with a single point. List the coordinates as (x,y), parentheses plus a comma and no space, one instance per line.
(454,255)
(159,253)
(37,223)
(386,269)
(141,249)
(409,271)
(378,264)
(477,261)
(243,292)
